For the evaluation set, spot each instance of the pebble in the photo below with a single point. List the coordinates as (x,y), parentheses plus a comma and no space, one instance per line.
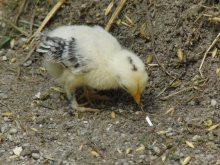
(3,96)
(25,145)
(196,138)
(26,151)
(35,155)
(152,157)
(7,119)
(83,131)
(169,134)
(169,129)
(4,58)
(10,138)
(20,42)
(131,162)
(121,111)
(13,131)
(3,25)
(142,156)
(156,149)
(27,63)
(213,102)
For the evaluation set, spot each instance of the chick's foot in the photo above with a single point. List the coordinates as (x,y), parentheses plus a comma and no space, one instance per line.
(89,95)
(75,107)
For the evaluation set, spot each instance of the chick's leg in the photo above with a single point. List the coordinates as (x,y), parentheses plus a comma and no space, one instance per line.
(74,105)
(89,95)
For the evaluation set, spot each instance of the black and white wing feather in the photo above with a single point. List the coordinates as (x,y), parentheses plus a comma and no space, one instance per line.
(63,51)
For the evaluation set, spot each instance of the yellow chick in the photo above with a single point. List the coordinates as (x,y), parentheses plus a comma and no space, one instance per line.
(90,56)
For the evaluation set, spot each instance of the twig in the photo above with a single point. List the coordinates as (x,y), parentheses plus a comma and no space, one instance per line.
(48,17)
(115,15)
(26,58)
(40,103)
(165,88)
(28,23)
(153,44)
(210,47)
(19,12)
(30,53)
(17,28)
(6,106)
(18,70)
(175,93)
(32,21)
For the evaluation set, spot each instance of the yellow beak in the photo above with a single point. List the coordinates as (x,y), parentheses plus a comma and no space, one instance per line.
(137,96)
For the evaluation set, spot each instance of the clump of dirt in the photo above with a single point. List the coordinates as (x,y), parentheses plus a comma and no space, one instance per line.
(182,104)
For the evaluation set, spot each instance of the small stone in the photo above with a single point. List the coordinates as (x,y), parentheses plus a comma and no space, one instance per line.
(27,63)
(169,134)
(42,95)
(25,145)
(7,118)
(3,25)
(10,138)
(196,138)
(152,157)
(121,111)
(4,58)
(26,152)
(213,102)
(156,150)
(3,96)
(13,131)
(20,42)
(35,155)
(83,131)
(142,156)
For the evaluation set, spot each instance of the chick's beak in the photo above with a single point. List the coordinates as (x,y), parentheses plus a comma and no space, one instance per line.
(137,96)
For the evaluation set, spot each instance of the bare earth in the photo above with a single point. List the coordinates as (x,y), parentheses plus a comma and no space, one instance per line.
(182,114)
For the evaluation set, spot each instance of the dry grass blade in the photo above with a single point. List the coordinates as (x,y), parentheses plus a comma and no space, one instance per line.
(109,8)
(175,93)
(115,15)
(32,21)
(20,10)
(153,44)
(48,17)
(17,28)
(6,106)
(30,53)
(204,57)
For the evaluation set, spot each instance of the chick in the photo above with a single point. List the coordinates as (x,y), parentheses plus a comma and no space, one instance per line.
(89,56)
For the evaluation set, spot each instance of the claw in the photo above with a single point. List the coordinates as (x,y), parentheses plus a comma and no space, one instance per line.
(83,109)
(89,95)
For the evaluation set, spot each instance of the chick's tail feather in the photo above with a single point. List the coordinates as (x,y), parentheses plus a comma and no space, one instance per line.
(53,47)
(62,51)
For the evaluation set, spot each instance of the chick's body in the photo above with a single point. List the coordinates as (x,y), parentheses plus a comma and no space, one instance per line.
(90,56)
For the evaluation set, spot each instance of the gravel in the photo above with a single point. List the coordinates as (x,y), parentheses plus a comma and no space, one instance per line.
(35,118)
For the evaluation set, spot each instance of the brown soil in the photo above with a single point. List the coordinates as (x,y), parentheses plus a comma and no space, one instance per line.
(48,134)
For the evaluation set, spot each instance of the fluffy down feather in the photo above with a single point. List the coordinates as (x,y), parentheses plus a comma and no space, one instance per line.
(90,56)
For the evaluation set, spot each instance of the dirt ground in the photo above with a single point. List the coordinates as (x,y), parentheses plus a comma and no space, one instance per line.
(183,105)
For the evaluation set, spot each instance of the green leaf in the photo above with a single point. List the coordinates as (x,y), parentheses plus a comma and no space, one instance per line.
(4,41)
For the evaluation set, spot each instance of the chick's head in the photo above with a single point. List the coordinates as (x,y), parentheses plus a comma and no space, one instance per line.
(131,74)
